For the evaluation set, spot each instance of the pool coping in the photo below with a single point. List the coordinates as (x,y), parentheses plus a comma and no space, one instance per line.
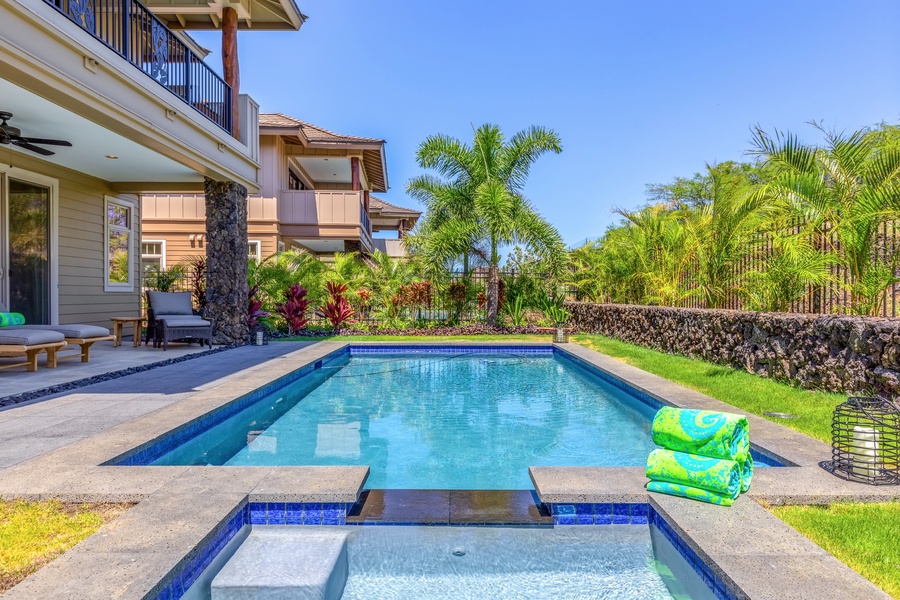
(140,553)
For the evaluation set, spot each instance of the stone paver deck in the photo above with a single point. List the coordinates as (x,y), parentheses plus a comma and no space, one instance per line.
(55,448)
(104,359)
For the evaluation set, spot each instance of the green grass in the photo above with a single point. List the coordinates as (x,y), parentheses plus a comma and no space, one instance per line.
(743,390)
(34,533)
(863,536)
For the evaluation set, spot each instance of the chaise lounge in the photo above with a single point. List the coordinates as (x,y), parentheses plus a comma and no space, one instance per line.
(83,336)
(171,316)
(29,343)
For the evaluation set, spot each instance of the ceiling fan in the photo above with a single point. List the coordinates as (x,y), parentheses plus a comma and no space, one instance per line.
(13,135)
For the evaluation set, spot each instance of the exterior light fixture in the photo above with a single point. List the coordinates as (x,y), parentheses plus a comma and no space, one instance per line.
(112,157)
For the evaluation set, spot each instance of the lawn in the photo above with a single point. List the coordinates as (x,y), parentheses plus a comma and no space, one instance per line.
(34,533)
(744,390)
(863,536)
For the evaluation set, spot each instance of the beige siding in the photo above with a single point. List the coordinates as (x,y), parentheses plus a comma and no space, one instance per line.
(81,254)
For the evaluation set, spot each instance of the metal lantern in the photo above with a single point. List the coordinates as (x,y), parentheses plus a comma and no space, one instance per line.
(561,336)
(259,337)
(865,444)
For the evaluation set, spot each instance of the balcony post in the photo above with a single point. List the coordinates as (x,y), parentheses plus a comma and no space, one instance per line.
(230,67)
(126,30)
(354,173)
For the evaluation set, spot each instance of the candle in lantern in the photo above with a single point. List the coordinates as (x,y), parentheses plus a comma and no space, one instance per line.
(865,451)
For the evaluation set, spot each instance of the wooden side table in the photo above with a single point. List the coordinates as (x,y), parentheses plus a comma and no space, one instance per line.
(119,322)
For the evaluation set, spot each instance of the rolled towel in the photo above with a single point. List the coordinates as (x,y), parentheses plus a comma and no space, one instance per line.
(746,472)
(703,432)
(711,474)
(686,491)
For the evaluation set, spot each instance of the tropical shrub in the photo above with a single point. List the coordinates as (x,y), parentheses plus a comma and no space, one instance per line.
(254,307)
(337,309)
(294,308)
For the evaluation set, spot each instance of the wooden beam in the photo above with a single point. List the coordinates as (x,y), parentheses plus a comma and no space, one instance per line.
(354,174)
(230,65)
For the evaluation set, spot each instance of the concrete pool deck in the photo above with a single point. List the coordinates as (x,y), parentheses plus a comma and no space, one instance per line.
(55,448)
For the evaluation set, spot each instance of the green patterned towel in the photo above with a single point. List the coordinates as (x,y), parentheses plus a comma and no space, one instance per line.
(8,319)
(686,491)
(711,474)
(746,473)
(703,432)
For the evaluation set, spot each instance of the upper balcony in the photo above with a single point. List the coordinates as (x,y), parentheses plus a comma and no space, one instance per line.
(137,35)
(112,79)
(310,215)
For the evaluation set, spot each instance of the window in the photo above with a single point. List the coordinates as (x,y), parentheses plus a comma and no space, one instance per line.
(153,256)
(254,250)
(281,246)
(119,219)
(294,182)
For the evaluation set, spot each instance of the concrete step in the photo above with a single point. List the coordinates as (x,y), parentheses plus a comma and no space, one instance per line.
(277,563)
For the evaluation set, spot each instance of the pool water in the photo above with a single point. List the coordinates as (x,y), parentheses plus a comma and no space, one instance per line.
(620,562)
(435,421)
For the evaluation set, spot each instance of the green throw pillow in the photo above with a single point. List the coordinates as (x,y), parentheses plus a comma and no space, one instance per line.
(9,319)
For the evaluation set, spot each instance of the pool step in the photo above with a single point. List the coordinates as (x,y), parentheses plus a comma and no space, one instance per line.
(449,507)
(285,562)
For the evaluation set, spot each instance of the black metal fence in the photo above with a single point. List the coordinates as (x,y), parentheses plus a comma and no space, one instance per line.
(141,38)
(462,298)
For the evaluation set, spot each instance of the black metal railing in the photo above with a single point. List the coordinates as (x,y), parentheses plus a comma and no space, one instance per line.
(140,37)
(365,220)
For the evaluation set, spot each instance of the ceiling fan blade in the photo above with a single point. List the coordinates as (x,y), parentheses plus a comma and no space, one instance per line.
(32,140)
(35,149)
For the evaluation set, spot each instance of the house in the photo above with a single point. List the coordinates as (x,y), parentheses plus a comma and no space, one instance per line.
(316,195)
(128,107)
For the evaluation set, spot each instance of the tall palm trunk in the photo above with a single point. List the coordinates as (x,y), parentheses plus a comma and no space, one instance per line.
(493,304)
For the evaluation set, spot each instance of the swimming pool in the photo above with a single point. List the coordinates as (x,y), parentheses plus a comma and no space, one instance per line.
(426,417)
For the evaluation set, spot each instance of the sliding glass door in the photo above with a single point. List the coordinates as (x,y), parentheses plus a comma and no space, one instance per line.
(25,249)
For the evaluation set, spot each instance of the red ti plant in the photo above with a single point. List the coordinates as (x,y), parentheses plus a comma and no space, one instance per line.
(254,308)
(337,308)
(293,309)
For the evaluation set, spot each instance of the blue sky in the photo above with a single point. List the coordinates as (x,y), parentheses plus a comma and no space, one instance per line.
(640,91)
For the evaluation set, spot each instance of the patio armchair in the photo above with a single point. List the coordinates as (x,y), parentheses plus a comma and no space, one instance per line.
(171,316)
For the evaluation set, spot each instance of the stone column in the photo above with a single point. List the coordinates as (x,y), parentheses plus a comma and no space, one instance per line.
(226,260)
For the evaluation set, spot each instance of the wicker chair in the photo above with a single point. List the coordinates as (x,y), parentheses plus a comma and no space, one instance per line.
(171,316)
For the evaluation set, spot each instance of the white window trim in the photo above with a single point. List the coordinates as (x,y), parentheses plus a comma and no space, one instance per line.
(162,248)
(118,287)
(258,249)
(7,172)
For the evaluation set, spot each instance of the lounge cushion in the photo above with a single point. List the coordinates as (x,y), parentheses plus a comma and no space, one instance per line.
(70,331)
(179,321)
(170,303)
(28,337)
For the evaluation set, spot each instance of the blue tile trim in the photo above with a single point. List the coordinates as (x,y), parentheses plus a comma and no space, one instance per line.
(715,583)
(547,350)
(599,514)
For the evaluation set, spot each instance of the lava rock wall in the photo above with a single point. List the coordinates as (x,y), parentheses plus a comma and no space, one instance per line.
(855,355)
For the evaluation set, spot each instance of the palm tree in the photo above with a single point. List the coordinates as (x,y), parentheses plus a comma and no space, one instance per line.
(849,187)
(476,206)
(721,225)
